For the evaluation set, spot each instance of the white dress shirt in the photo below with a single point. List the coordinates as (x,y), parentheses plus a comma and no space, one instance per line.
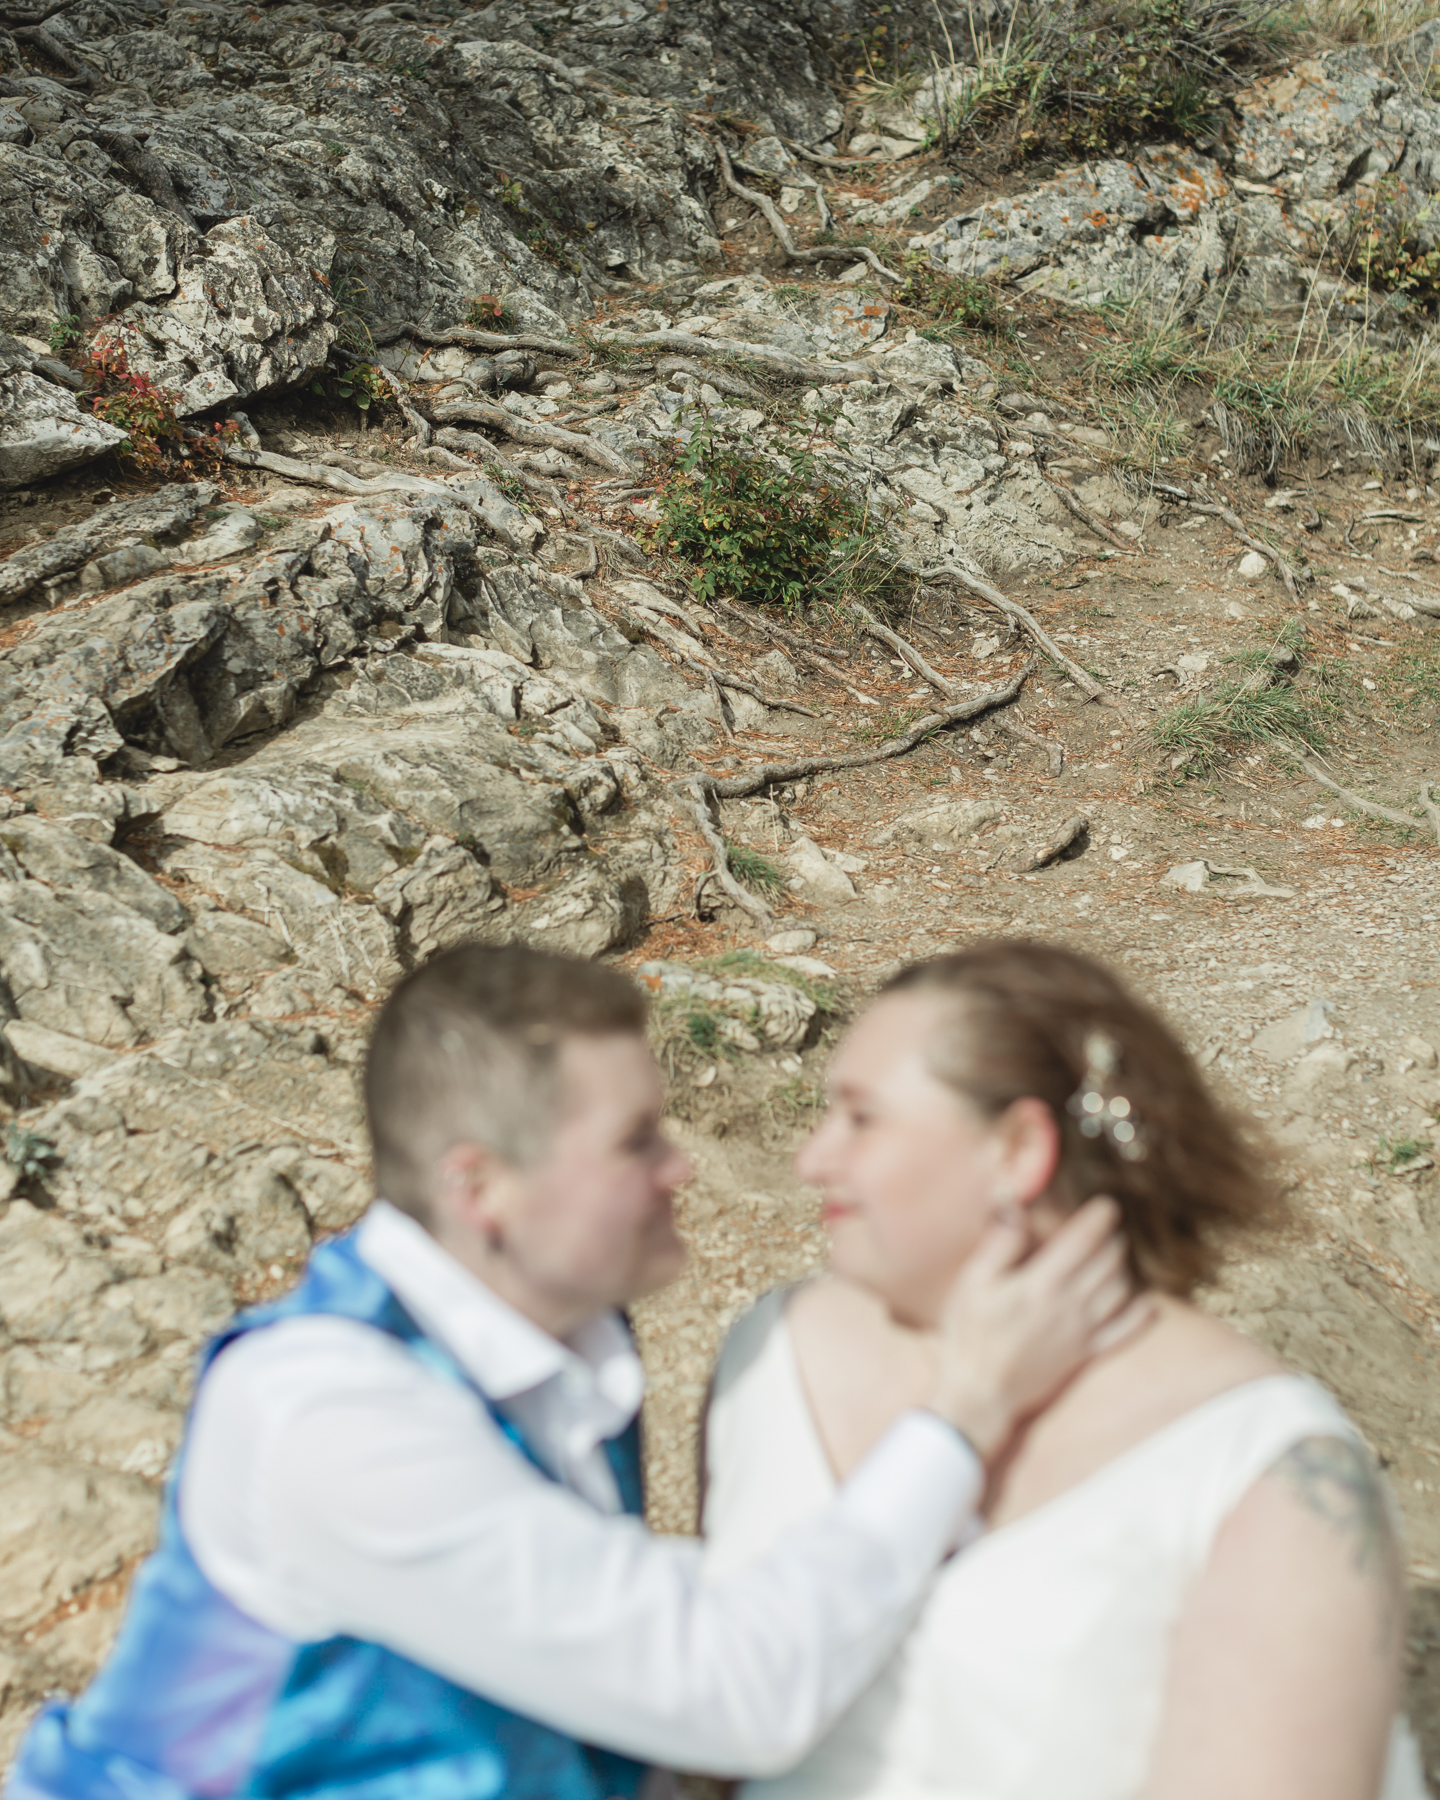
(335,1483)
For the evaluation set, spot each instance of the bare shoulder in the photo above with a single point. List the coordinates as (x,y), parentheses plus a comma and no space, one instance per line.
(1227,1356)
(858,1369)
(1336,1482)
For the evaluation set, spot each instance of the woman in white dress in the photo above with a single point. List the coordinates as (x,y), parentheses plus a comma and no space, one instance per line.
(1188,1586)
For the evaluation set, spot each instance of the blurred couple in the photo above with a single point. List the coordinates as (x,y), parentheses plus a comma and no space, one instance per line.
(992,1511)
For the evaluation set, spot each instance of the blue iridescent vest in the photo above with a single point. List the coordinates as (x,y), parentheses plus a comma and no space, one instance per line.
(199,1701)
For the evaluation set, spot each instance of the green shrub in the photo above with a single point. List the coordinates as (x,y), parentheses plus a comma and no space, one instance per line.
(969,301)
(770,530)
(64,333)
(1391,244)
(361,382)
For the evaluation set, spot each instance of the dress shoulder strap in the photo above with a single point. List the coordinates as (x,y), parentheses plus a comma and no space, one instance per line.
(747,1339)
(1232,1441)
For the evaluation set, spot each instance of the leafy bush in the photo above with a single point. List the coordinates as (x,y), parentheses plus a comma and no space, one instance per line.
(360,382)
(64,333)
(964,300)
(767,529)
(1392,245)
(129,399)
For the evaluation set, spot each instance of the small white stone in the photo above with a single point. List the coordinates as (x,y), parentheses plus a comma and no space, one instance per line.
(1253,564)
(791,943)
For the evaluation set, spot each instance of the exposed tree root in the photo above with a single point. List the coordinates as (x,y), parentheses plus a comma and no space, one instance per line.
(812,656)
(421,427)
(721,872)
(783,362)
(902,648)
(982,590)
(530,431)
(506,520)
(146,169)
(59,54)
(475,339)
(824,253)
(1372,807)
(720,379)
(733,787)
(1432,811)
(1074,505)
(1053,749)
(1074,828)
(1268,551)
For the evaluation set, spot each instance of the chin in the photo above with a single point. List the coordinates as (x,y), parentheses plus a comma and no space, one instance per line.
(660,1271)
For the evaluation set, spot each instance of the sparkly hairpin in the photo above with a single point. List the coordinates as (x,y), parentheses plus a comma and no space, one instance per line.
(1101,1114)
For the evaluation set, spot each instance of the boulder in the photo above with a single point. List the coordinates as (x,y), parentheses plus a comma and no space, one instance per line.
(815,875)
(43,430)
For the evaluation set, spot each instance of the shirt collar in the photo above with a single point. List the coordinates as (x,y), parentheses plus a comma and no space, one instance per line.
(502,1351)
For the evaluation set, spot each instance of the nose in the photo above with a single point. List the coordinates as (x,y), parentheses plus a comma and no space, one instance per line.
(676,1167)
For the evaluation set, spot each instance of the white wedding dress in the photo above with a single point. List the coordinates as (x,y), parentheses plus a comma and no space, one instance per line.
(1036,1666)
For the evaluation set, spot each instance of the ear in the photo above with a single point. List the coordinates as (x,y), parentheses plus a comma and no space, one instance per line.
(1029,1140)
(467,1181)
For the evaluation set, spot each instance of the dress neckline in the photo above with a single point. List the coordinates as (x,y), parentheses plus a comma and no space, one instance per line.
(1098,1477)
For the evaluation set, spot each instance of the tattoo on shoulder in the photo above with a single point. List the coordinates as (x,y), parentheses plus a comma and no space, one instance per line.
(1336,1479)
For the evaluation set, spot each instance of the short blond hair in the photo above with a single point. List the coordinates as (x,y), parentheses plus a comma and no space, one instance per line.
(465,1050)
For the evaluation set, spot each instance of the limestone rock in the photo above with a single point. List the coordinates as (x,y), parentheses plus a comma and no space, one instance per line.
(752,1013)
(63,1526)
(112,527)
(816,875)
(83,964)
(43,430)
(444,897)
(945,822)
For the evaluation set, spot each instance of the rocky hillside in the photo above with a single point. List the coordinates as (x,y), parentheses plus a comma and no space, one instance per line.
(612,476)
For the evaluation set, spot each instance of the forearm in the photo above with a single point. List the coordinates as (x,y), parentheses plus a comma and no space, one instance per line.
(616,1638)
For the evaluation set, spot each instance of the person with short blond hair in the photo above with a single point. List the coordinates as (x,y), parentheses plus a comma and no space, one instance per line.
(401,1557)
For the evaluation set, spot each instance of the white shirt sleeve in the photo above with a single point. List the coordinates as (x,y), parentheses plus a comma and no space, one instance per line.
(332,1484)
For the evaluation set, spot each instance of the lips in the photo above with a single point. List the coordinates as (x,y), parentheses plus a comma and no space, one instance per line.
(832,1211)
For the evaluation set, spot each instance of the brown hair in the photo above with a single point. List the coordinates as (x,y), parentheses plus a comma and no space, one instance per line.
(1021,1019)
(465,1050)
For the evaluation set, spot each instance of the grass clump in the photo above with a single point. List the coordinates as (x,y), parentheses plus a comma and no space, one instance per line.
(1081,76)
(1199,733)
(1269,395)
(755,871)
(1393,1153)
(766,528)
